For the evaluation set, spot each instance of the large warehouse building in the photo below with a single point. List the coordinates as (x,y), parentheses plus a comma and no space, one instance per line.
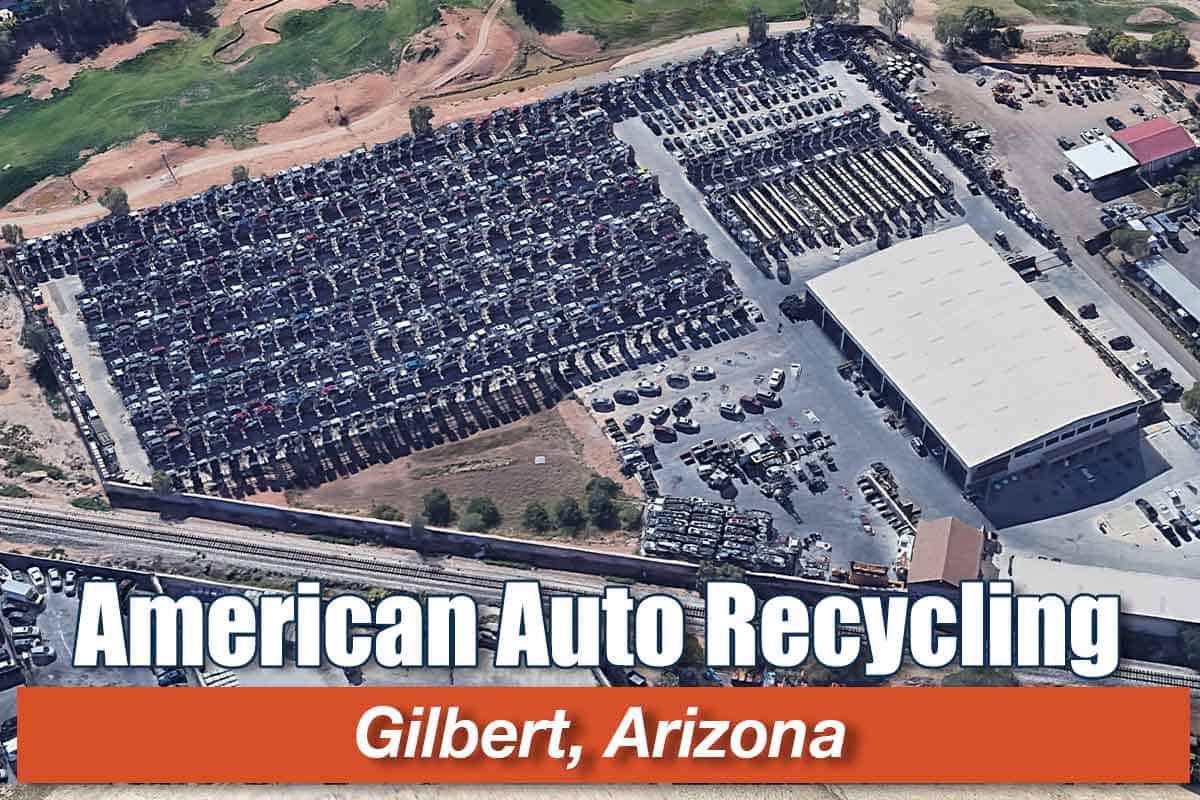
(971,356)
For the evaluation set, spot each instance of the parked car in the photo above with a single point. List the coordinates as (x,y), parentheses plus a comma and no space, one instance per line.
(1147,510)
(1063,182)
(918,446)
(633,422)
(664,433)
(686,425)
(55,580)
(36,578)
(703,373)
(42,654)
(776,379)
(730,410)
(750,403)
(647,388)
(659,414)
(681,407)
(69,583)
(602,404)
(625,397)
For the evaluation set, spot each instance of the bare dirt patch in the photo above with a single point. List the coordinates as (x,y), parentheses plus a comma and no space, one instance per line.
(29,425)
(40,72)
(572,44)
(1150,15)
(57,192)
(498,463)
(255,19)
(596,451)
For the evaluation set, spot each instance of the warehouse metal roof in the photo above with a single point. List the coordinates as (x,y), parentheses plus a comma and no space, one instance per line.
(966,341)
(1154,139)
(1142,593)
(1185,293)
(1101,159)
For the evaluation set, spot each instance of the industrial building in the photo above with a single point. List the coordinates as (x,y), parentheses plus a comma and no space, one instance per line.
(946,552)
(1150,603)
(1158,144)
(991,379)
(1105,164)
(1179,295)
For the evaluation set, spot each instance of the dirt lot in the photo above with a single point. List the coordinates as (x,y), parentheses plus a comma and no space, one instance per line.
(497,464)
(28,425)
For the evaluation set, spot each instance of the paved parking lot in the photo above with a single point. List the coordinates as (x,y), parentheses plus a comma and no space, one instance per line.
(815,399)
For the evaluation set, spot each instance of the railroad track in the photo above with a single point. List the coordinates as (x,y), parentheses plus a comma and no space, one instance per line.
(1157,678)
(295,555)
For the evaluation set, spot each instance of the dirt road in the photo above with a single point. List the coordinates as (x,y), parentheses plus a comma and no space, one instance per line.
(481,44)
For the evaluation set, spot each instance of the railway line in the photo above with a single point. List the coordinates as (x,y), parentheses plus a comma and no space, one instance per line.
(487,586)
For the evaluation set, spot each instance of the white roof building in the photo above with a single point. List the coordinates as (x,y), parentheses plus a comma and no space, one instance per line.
(1142,594)
(976,352)
(1101,159)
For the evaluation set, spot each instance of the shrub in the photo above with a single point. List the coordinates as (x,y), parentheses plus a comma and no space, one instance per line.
(485,509)
(437,507)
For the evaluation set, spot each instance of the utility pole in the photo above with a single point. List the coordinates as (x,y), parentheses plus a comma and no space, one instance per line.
(167,164)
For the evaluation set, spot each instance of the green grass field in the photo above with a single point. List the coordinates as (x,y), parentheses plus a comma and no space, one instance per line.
(180,93)
(622,22)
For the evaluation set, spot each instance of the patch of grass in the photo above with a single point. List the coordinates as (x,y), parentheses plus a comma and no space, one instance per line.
(92,503)
(178,91)
(621,23)
(23,463)
(329,538)
(498,562)
(14,491)
(1097,13)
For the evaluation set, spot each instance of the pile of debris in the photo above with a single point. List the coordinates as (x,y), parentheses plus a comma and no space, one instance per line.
(695,529)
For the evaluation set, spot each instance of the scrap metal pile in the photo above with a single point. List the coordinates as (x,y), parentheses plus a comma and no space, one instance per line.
(694,529)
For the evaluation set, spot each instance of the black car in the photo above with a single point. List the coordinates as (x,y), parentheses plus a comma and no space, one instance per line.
(1063,182)
(1148,510)
(681,407)
(633,422)
(1120,343)
(1114,123)
(625,397)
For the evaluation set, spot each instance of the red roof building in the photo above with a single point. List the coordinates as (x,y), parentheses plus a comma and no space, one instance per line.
(1156,142)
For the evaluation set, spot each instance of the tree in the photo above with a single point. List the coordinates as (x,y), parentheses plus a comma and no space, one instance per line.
(387,513)
(568,515)
(420,118)
(1013,37)
(541,15)
(1130,242)
(1098,39)
(948,29)
(978,24)
(437,507)
(472,522)
(486,510)
(1169,47)
(893,14)
(1124,48)
(12,233)
(536,518)
(35,337)
(240,174)
(161,482)
(630,515)
(115,200)
(601,510)
(1190,400)
(1190,639)
(756,21)
(711,571)
(825,10)
(606,485)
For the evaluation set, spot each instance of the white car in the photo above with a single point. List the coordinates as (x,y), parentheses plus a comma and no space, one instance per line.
(1174,497)
(36,578)
(703,373)
(1086,136)
(659,413)
(775,382)
(55,580)
(69,583)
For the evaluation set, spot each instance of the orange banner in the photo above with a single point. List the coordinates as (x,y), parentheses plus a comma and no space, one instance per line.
(551,735)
